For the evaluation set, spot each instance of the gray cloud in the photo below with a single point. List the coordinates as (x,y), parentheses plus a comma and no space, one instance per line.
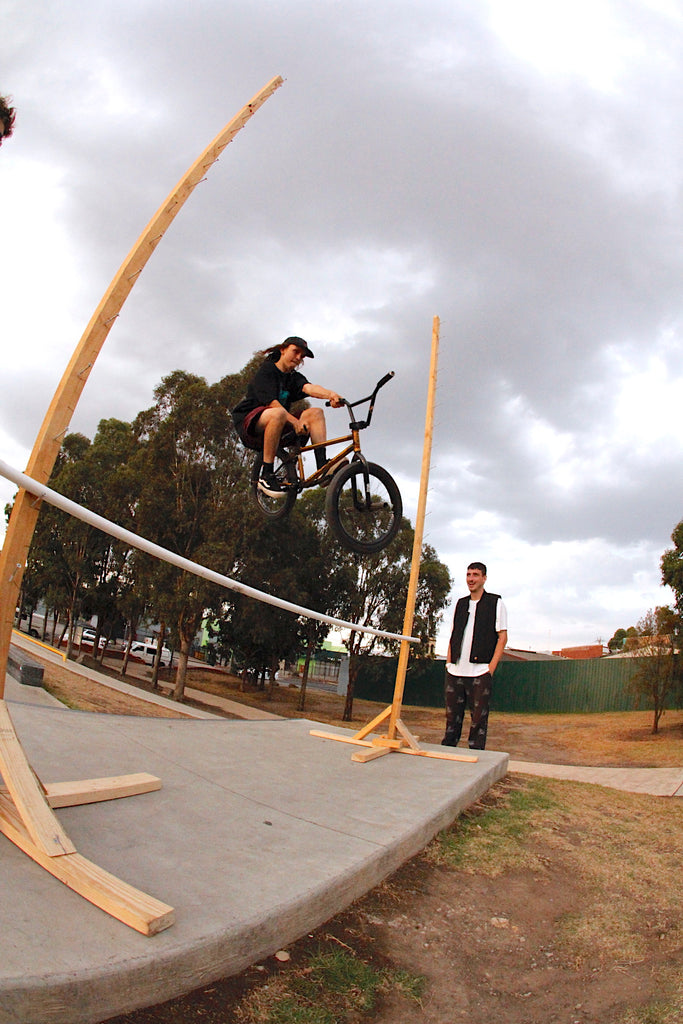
(412,164)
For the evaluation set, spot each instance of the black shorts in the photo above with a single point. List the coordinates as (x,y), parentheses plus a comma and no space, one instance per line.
(249,436)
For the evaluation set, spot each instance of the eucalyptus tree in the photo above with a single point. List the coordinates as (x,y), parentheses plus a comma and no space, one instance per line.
(69,549)
(191,501)
(378,599)
(297,560)
(672,566)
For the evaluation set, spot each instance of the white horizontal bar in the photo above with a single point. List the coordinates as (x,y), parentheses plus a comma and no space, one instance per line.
(44,493)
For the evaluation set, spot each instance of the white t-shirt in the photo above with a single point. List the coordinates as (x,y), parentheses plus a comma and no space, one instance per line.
(463,666)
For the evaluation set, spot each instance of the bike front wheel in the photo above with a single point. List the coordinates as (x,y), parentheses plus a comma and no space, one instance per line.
(364,512)
(285,470)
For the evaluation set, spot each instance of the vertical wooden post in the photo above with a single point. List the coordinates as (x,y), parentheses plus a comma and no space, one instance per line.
(417,542)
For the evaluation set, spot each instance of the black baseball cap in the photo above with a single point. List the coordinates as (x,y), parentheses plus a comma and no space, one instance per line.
(300,343)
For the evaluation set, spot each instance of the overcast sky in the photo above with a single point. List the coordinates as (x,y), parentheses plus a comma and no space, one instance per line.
(512,166)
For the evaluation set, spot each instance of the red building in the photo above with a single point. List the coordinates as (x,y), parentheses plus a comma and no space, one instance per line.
(583,652)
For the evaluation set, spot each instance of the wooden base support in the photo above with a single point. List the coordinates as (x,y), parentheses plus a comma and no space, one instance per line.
(139,911)
(28,820)
(381,745)
(91,791)
(28,795)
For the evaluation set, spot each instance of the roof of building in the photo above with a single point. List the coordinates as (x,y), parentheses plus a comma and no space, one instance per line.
(514,654)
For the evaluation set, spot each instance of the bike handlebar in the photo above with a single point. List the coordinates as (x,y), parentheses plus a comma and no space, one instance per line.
(385,380)
(380,384)
(361,424)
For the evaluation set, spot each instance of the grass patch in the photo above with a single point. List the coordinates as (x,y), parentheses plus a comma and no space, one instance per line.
(332,986)
(491,837)
(620,848)
(665,1009)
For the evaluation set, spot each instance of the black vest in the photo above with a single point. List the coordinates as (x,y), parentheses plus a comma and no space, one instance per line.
(485,636)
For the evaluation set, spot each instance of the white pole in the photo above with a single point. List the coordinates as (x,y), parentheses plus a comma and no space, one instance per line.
(44,493)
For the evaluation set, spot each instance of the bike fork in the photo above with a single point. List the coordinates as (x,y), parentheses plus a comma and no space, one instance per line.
(359,501)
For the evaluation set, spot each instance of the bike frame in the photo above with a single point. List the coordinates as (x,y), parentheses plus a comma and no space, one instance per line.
(355,426)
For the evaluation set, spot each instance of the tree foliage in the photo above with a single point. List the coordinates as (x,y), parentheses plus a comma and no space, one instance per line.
(672,566)
(190,500)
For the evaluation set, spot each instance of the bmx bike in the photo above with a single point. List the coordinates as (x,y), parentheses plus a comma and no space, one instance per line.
(363,503)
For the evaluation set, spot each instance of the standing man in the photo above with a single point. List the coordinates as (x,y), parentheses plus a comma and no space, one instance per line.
(476,646)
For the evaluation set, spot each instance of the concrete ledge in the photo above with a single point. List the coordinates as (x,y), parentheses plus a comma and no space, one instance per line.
(23,668)
(259,834)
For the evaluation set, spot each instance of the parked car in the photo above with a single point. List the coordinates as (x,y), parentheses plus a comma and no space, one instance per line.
(147,652)
(89,636)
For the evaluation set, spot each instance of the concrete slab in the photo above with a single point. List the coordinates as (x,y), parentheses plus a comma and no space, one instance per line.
(259,834)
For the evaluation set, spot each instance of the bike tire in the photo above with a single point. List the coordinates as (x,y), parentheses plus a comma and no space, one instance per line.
(284,469)
(358,527)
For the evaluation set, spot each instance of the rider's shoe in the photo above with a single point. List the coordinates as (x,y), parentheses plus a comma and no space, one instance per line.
(269,484)
(331,472)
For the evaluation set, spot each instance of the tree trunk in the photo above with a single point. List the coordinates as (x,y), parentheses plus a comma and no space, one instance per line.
(157,656)
(181,671)
(100,652)
(353,675)
(126,653)
(304,676)
(70,625)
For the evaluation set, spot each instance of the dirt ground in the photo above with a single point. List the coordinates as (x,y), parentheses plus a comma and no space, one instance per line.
(490,947)
(493,946)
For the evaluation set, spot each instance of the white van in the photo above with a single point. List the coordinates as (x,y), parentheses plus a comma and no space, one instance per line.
(147,652)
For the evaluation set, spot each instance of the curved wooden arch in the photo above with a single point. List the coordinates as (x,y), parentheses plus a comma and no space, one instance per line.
(26,815)
(48,442)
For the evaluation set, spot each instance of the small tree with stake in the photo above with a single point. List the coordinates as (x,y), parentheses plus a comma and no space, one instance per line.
(657,677)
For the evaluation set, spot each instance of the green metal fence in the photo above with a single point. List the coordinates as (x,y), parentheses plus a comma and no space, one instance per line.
(596,684)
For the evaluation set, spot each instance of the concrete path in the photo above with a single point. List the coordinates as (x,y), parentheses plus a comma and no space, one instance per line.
(231,707)
(655,781)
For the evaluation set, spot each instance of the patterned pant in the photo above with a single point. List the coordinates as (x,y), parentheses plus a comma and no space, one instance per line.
(462,692)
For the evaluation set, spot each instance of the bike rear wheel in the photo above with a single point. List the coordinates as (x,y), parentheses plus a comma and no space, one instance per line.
(284,469)
(365,519)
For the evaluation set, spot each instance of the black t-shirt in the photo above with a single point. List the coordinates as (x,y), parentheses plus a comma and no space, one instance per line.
(270,384)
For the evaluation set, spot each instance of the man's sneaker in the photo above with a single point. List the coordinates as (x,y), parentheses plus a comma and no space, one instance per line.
(269,484)
(331,472)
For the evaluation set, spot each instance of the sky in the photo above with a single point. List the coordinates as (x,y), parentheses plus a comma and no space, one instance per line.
(514,167)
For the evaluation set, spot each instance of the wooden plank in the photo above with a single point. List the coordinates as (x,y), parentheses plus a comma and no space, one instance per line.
(384,741)
(124,902)
(27,793)
(339,737)
(90,791)
(362,733)
(440,755)
(407,735)
(370,755)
